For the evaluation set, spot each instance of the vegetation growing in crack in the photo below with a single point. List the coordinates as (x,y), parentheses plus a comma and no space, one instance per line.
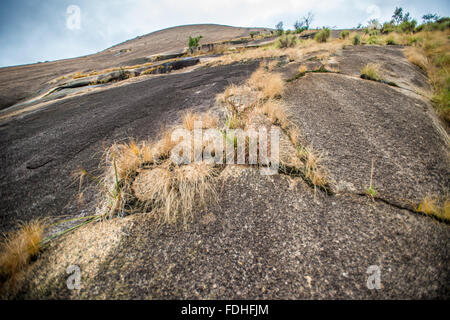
(438,207)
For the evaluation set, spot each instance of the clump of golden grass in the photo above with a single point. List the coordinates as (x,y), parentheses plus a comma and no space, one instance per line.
(17,249)
(174,191)
(165,143)
(141,178)
(270,65)
(276,112)
(435,207)
(417,56)
(247,55)
(371,71)
(436,46)
(294,136)
(273,52)
(307,160)
(271,85)
(79,75)
(148,71)
(312,166)
(127,158)
(302,69)
(234,90)
(208,120)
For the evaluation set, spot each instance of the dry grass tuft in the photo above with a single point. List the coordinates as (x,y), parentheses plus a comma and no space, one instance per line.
(294,136)
(371,71)
(417,56)
(436,46)
(208,120)
(17,249)
(165,143)
(271,85)
(276,112)
(247,55)
(313,166)
(127,158)
(142,178)
(435,207)
(174,191)
(302,69)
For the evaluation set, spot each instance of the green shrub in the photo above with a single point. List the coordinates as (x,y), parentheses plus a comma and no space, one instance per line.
(408,26)
(322,35)
(193,42)
(300,30)
(440,24)
(356,40)
(388,27)
(373,40)
(344,34)
(414,40)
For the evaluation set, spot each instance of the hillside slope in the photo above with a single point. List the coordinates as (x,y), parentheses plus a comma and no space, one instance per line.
(266,237)
(22,82)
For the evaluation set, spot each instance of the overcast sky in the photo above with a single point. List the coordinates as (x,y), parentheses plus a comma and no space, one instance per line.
(32,31)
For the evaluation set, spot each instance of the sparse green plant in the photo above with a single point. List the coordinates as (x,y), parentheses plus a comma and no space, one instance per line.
(233,122)
(414,40)
(193,42)
(356,40)
(322,35)
(344,34)
(370,190)
(300,30)
(408,26)
(388,27)
(373,40)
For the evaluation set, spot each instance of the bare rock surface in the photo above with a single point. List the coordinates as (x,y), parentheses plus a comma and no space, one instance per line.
(268,238)
(354,121)
(392,62)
